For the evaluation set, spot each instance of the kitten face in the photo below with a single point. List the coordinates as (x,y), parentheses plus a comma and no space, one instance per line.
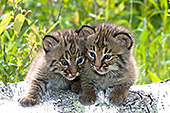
(107,46)
(103,57)
(102,62)
(64,53)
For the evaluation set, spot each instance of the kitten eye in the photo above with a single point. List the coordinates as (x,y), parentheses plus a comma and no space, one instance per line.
(80,60)
(92,54)
(107,57)
(64,62)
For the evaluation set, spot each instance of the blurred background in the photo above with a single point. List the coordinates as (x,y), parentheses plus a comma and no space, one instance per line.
(23,24)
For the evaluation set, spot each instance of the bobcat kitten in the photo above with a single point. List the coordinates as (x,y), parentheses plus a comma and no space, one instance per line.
(110,62)
(56,65)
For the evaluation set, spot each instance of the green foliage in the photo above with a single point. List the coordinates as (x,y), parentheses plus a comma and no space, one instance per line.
(152,47)
(20,40)
(23,24)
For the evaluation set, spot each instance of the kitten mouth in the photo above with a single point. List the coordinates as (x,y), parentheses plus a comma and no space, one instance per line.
(99,70)
(72,76)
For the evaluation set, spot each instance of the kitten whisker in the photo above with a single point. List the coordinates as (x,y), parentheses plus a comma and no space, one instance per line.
(89,69)
(115,74)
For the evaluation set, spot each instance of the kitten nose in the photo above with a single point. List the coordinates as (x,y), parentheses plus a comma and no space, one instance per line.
(74,74)
(97,67)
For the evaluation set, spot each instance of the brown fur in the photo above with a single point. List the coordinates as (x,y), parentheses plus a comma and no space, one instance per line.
(47,71)
(100,73)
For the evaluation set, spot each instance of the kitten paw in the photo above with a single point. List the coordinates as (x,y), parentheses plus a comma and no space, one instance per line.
(117,99)
(27,101)
(87,99)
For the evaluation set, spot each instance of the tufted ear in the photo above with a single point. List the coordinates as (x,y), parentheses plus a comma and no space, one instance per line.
(85,31)
(124,39)
(49,42)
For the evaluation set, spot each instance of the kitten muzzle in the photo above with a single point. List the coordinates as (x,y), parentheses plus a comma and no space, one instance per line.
(72,76)
(98,68)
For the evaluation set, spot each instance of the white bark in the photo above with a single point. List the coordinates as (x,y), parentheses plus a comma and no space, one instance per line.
(152,98)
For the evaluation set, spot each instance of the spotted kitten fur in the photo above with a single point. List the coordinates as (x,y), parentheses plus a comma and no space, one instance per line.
(110,63)
(56,65)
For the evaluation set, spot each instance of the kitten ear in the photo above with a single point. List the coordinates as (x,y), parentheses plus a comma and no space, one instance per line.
(49,42)
(125,39)
(85,31)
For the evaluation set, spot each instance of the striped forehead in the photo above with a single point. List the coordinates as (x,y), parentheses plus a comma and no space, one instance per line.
(101,39)
(72,53)
(72,48)
(70,41)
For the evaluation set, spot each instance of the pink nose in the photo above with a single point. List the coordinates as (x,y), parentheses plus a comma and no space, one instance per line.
(97,67)
(74,74)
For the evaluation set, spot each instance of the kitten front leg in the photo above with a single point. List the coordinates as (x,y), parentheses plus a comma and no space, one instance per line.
(76,87)
(88,95)
(32,95)
(119,93)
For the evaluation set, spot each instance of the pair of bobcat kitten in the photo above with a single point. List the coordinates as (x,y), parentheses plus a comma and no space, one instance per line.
(110,63)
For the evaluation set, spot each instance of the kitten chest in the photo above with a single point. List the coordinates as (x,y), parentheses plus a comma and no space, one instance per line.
(59,84)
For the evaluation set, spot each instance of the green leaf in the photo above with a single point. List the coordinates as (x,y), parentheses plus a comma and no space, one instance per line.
(52,27)
(7,35)
(19,20)
(26,29)
(17,1)
(120,8)
(153,77)
(107,13)
(43,1)
(155,4)
(5,22)
(100,2)
(138,2)
(76,18)
(153,46)
(4,79)
(33,27)
(19,62)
